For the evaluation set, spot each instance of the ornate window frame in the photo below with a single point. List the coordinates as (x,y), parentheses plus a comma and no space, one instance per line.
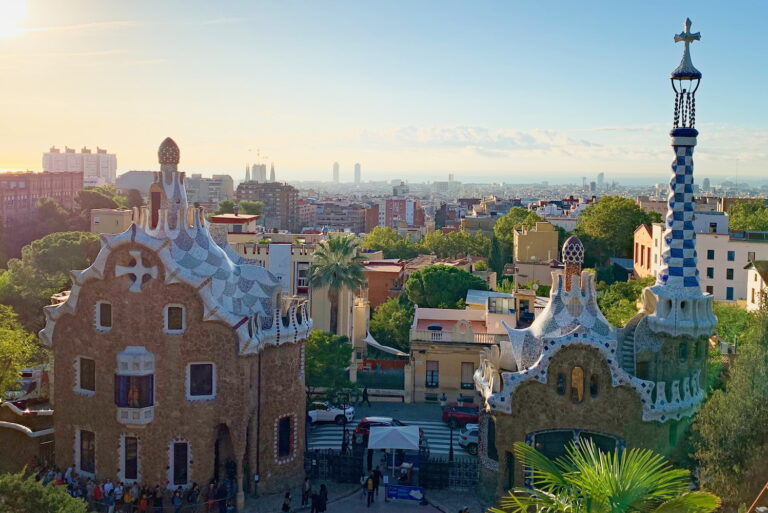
(169,331)
(188,383)
(97,317)
(77,388)
(294,439)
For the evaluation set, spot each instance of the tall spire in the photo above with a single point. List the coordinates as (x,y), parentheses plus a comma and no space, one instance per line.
(679,307)
(247,173)
(272,173)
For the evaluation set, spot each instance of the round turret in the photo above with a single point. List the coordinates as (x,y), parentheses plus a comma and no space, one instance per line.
(168,153)
(573,251)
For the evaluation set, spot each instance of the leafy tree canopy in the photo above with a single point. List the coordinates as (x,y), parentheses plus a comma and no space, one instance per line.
(391,323)
(18,349)
(88,199)
(19,494)
(618,301)
(457,244)
(589,480)
(387,240)
(44,270)
(251,207)
(441,286)
(607,227)
(225,207)
(511,221)
(327,357)
(748,215)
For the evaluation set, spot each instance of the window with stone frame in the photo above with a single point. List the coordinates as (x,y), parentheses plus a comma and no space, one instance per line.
(86,375)
(180,463)
(103,316)
(285,437)
(201,379)
(175,319)
(467,375)
(130,457)
(433,374)
(87,451)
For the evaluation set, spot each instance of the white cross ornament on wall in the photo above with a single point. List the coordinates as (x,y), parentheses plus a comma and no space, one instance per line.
(138,271)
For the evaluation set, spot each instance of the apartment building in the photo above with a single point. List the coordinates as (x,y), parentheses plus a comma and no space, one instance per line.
(19,192)
(280,203)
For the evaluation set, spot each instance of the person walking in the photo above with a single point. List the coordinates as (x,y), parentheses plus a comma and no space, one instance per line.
(177,500)
(363,480)
(365,397)
(157,499)
(315,502)
(323,498)
(286,503)
(376,479)
(193,497)
(369,489)
(306,490)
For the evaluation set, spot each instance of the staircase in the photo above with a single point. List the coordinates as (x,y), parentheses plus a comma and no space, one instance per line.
(628,346)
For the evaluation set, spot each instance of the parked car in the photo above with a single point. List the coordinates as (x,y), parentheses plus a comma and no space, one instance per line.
(365,424)
(324,411)
(468,438)
(456,416)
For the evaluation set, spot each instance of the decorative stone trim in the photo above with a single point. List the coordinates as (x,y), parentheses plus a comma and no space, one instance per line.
(97,317)
(76,451)
(169,459)
(294,436)
(482,444)
(121,458)
(76,388)
(169,331)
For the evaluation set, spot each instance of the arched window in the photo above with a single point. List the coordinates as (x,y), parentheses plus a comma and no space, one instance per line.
(683,351)
(561,384)
(577,384)
(593,385)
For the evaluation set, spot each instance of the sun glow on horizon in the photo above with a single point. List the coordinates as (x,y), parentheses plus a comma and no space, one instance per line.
(12,15)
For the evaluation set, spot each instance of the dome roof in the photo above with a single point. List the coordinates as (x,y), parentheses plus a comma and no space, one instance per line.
(168,153)
(573,250)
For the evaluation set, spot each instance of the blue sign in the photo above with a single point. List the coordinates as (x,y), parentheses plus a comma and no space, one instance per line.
(405,493)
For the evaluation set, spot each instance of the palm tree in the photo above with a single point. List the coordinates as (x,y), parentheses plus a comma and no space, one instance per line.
(337,265)
(588,480)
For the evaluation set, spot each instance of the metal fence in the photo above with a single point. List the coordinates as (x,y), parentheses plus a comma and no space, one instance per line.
(331,464)
(391,379)
(438,473)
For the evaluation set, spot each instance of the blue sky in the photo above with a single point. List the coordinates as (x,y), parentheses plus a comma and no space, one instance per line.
(501,90)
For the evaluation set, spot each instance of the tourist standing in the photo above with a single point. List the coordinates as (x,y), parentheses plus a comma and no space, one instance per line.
(306,490)
(177,500)
(323,498)
(376,479)
(193,497)
(369,489)
(365,397)
(286,503)
(157,499)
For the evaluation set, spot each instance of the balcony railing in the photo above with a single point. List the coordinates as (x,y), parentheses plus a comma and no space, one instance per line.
(454,336)
(136,415)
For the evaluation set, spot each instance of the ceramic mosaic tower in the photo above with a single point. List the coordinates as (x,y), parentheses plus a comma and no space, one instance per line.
(680,307)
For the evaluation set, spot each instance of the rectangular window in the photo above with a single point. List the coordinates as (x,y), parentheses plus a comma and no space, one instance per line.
(174,319)
(710,272)
(712,227)
(433,374)
(731,256)
(284,438)
(710,290)
(87,375)
(467,372)
(201,380)
(105,315)
(751,256)
(87,451)
(729,274)
(131,457)
(710,254)
(180,463)
(753,297)
(729,293)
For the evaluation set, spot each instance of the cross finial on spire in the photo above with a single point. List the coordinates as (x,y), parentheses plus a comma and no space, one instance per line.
(686,35)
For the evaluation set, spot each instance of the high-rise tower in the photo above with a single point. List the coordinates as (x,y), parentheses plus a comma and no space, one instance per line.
(272,173)
(679,304)
(335,172)
(247,173)
(357,173)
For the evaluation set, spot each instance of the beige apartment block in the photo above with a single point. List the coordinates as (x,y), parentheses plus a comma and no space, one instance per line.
(537,244)
(757,284)
(110,220)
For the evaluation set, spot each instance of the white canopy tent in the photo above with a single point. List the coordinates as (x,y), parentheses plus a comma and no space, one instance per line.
(391,350)
(394,437)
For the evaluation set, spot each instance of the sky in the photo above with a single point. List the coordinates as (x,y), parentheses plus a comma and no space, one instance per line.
(488,90)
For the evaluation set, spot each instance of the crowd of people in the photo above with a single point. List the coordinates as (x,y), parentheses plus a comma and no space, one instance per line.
(108,496)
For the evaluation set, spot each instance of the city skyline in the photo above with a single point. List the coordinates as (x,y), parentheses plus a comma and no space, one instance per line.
(487,105)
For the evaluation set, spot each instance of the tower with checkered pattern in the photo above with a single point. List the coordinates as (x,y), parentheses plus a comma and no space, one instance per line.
(679,306)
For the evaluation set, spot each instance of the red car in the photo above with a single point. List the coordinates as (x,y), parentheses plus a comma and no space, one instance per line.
(364,426)
(456,416)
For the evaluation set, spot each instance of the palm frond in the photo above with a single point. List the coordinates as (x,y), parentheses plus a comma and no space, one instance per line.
(691,502)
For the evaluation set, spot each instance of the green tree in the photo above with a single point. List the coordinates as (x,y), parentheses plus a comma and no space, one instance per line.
(480,265)
(18,348)
(618,301)
(254,208)
(44,270)
(732,322)
(748,215)
(457,244)
(225,207)
(326,359)
(337,265)
(441,286)
(513,220)
(730,437)
(133,198)
(607,227)
(19,494)
(88,199)
(387,240)
(588,480)
(391,323)
(498,255)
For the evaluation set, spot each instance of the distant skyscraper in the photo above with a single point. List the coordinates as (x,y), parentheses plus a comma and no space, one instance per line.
(272,173)
(450,177)
(335,172)
(705,184)
(247,173)
(98,168)
(600,181)
(357,173)
(592,187)
(259,173)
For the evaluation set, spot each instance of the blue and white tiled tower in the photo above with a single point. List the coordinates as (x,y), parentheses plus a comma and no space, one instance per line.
(680,307)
